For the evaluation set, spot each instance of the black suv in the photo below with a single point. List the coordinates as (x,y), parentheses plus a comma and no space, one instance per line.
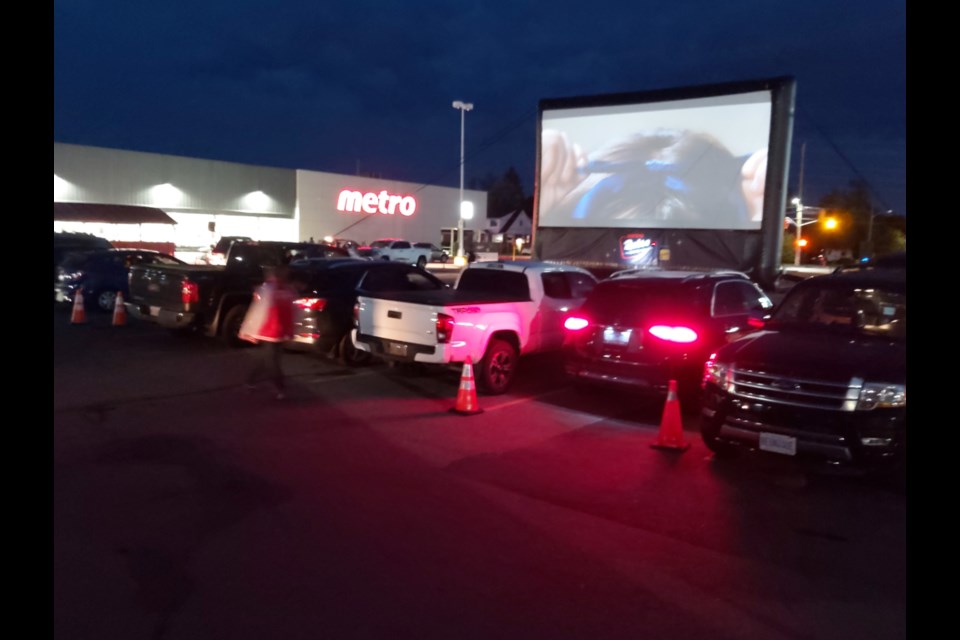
(323,312)
(65,243)
(642,328)
(824,381)
(102,274)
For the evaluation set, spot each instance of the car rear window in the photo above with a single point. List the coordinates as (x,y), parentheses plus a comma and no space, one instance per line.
(509,283)
(637,301)
(75,260)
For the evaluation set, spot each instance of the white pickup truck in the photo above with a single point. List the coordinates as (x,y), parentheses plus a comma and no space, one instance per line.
(397,250)
(497,312)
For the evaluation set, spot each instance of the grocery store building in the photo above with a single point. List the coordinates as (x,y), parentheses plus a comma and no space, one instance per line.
(162,201)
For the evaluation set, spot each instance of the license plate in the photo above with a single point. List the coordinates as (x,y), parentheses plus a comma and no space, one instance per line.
(154,311)
(396,349)
(776,443)
(613,336)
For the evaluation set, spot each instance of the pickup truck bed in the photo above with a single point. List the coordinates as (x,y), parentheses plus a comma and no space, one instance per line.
(449,297)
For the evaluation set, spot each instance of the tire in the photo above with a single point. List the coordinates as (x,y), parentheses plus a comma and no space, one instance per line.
(444,258)
(719,448)
(349,355)
(421,262)
(230,326)
(106,300)
(497,368)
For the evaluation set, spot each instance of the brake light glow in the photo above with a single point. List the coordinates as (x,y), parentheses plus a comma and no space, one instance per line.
(311,304)
(445,326)
(682,335)
(189,292)
(574,323)
(756,323)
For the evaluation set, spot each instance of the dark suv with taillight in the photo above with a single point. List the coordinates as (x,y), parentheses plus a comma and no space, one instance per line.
(640,329)
(323,310)
(824,381)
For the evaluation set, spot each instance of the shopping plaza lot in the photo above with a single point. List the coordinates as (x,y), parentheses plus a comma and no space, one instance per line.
(360,507)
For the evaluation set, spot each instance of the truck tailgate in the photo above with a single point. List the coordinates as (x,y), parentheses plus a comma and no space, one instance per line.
(399,321)
(162,285)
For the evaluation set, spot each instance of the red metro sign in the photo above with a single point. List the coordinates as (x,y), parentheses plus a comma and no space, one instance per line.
(383,202)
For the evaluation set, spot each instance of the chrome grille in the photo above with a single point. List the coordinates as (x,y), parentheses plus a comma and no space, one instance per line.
(800,392)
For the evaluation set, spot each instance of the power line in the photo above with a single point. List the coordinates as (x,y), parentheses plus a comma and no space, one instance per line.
(844,158)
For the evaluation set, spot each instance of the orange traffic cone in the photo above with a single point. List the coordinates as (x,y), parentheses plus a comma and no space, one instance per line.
(79,314)
(671,426)
(119,311)
(467,395)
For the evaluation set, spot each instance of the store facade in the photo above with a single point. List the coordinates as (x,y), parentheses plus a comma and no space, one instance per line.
(207,199)
(367,209)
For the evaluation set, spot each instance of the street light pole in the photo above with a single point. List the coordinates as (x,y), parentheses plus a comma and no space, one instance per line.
(799,223)
(463,107)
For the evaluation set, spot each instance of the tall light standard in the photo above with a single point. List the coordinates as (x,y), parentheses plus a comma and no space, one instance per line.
(799,223)
(463,107)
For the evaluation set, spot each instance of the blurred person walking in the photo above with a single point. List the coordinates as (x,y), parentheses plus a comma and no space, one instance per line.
(269,321)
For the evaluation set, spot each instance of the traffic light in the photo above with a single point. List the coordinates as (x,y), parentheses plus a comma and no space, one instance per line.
(802,243)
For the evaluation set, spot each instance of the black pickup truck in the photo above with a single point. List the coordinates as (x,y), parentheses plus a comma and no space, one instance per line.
(212,299)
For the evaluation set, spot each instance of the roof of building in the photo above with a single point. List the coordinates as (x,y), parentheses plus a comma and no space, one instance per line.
(109,213)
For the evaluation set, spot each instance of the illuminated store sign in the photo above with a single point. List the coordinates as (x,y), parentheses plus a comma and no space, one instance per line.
(383,202)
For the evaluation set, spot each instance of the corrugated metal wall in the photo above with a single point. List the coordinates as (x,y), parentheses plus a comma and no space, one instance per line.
(172,183)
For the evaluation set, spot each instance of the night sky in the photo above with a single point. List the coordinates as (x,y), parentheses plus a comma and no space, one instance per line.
(367,86)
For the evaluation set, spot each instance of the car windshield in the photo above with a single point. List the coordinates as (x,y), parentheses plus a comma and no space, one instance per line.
(224,244)
(863,310)
(76,260)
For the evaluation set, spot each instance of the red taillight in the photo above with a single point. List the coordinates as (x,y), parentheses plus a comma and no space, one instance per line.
(683,335)
(311,304)
(445,326)
(189,292)
(575,323)
(756,323)
(356,315)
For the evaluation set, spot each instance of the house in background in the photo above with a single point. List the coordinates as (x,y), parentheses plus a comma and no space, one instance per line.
(508,227)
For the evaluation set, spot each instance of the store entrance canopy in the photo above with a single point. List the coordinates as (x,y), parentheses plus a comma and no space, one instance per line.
(109,213)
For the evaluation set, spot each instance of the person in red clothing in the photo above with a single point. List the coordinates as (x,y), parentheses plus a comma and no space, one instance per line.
(270,322)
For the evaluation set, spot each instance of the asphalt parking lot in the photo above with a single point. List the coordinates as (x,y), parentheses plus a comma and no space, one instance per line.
(361,507)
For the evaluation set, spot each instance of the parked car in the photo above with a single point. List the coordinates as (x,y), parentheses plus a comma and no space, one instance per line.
(102,274)
(211,298)
(328,288)
(218,252)
(65,243)
(824,381)
(344,243)
(436,253)
(639,329)
(497,313)
(398,250)
(896,260)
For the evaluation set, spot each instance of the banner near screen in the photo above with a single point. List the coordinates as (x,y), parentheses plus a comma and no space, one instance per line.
(636,249)
(696,163)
